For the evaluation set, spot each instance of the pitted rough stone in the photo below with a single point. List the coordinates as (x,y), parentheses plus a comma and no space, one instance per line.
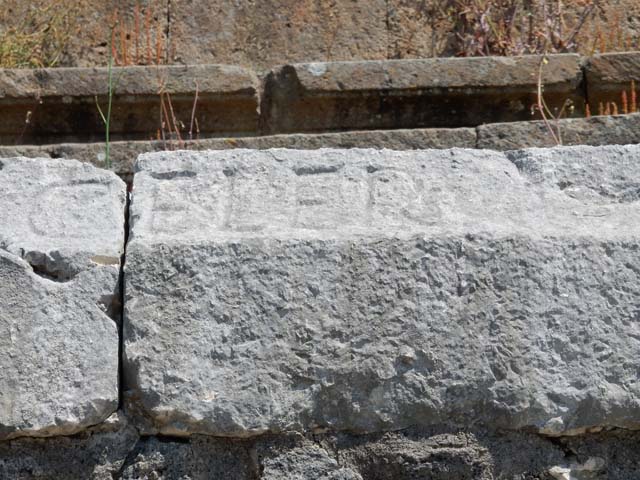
(584,173)
(600,130)
(113,451)
(367,290)
(98,453)
(201,458)
(293,458)
(61,237)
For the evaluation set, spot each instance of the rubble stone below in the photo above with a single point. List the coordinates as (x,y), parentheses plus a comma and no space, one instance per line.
(114,451)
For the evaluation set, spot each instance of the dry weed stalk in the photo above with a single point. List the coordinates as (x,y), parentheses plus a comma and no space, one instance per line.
(171,126)
(551,120)
(617,39)
(126,50)
(628,103)
(194,120)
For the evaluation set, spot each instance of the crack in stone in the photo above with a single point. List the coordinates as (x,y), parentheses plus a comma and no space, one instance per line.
(121,284)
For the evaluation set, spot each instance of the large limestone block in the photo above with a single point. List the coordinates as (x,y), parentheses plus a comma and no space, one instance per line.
(368,290)
(61,238)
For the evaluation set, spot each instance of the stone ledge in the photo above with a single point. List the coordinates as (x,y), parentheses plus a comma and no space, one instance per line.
(134,80)
(608,75)
(562,72)
(455,92)
(124,154)
(58,105)
(612,70)
(599,130)
(55,105)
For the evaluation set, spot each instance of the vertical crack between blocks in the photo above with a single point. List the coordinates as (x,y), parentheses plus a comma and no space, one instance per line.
(123,258)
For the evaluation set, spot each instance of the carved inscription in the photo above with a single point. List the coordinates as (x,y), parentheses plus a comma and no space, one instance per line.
(189,204)
(73,215)
(259,201)
(267,199)
(328,201)
(399,199)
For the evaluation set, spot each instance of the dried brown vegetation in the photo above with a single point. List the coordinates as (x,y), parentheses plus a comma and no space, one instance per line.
(520,27)
(138,39)
(628,103)
(36,34)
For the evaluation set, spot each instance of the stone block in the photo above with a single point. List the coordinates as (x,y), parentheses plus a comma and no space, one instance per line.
(437,92)
(598,130)
(608,75)
(59,104)
(363,290)
(61,238)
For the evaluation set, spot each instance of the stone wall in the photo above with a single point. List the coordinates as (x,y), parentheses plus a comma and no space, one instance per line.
(59,105)
(262,34)
(399,104)
(307,314)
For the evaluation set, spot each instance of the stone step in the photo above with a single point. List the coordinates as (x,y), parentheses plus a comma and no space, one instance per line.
(599,130)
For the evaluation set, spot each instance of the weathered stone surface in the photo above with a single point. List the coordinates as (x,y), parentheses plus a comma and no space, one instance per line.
(609,74)
(201,458)
(98,453)
(447,454)
(444,455)
(601,130)
(131,80)
(297,457)
(371,290)
(609,455)
(124,154)
(277,31)
(413,30)
(272,32)
(451,92)
(585,174)
(59,104)
(605,130)
(113,451)
(562,72)
(61,237)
